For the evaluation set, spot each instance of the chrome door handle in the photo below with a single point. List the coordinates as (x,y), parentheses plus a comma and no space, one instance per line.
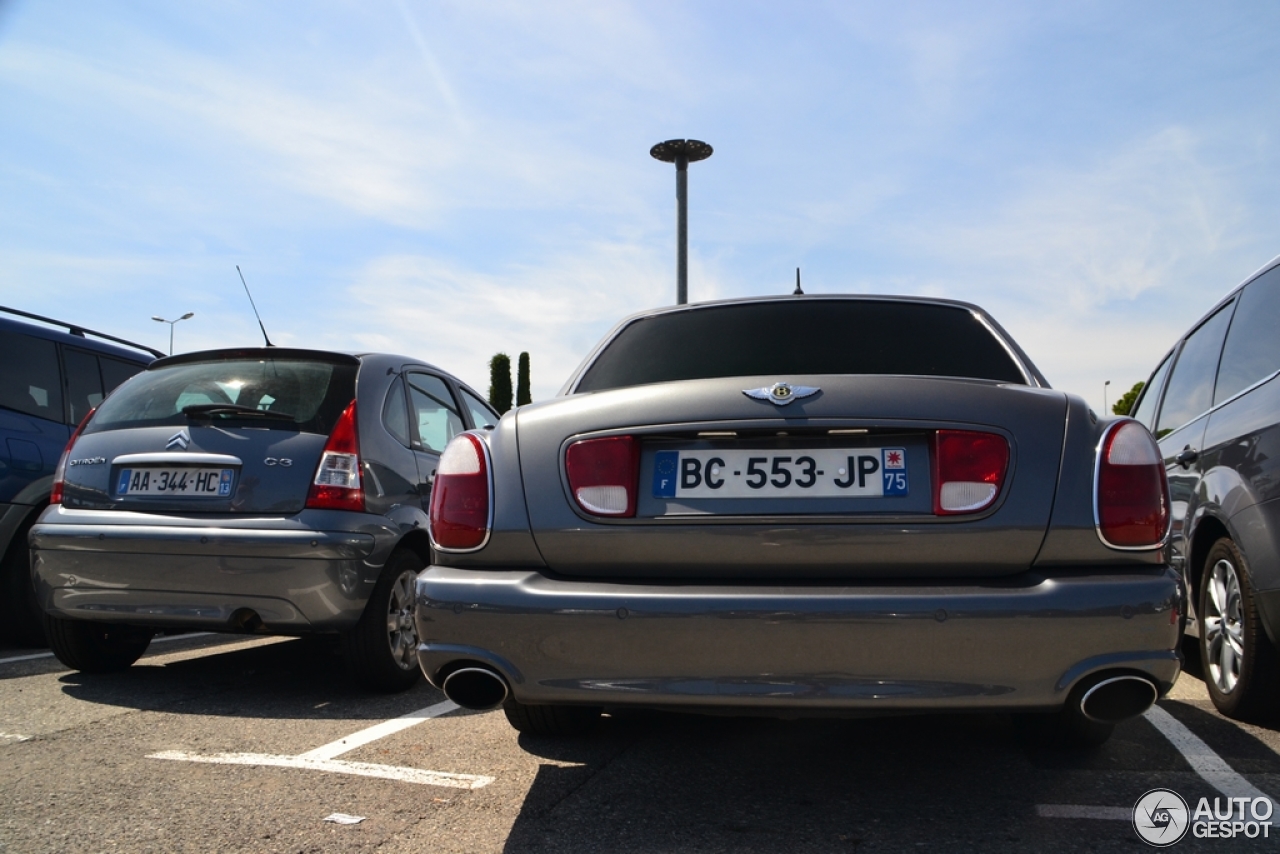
(1186,457)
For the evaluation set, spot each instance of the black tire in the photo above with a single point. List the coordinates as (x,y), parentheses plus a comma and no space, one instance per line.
(1241,666)
(21,619)
(92,647)
(559,721)
(382,649)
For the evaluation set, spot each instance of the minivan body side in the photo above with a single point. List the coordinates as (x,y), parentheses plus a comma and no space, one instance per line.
(49,380)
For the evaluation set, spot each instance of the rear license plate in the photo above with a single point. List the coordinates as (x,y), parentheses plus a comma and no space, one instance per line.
(817,473)
(183,482)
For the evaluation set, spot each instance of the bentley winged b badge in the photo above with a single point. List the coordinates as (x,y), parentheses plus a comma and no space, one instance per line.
(781,393)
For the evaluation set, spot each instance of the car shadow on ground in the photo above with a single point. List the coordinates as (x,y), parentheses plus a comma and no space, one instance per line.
(289,679)
(950,782)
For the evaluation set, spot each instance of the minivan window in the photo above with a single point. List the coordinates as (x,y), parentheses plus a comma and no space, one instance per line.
(804,336)
(84,382)
(116,371)
(29,382)
(296,394)
(1145,411)
(1252,351)
(1190,391)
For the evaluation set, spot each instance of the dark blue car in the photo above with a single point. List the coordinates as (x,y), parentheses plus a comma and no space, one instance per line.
(51,375)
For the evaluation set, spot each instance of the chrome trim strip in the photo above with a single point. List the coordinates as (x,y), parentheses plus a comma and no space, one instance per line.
(1017,360)
(177,458)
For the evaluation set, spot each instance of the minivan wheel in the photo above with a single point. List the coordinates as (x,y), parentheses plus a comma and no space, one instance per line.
(92,647)
(1240,664)
(382,649)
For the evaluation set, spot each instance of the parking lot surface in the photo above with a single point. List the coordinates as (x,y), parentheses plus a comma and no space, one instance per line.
(215,743)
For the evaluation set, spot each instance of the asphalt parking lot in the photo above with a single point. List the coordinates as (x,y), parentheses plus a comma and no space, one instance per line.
(215,743)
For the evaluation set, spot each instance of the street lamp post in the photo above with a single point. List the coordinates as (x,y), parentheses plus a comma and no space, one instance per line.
(1104,398)
(171,323)
(681,152)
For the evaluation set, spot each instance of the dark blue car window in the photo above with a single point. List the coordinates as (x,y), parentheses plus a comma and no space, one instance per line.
(29,381)
(84,383)
(116,371)
(1252,351)
(1190,391)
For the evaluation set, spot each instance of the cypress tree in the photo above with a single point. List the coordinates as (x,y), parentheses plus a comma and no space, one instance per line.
(522,380)
(500,382)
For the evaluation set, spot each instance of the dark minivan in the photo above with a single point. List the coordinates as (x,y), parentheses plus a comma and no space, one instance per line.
(1214,405)
(51,374)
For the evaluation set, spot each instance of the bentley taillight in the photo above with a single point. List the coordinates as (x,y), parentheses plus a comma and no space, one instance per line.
(1131,502)
(604,474)
(459,517)
(968,470)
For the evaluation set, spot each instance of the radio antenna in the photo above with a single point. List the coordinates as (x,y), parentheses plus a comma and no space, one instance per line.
(797,291)
(255,308)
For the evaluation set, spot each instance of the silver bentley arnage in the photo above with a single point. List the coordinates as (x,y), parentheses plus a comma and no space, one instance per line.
(803,505)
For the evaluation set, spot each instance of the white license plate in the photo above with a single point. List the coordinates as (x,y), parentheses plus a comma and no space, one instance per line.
(819,473)
(179,482)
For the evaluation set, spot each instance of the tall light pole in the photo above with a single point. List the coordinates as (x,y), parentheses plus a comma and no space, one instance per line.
(1104,398)
(681,152)
(187,316)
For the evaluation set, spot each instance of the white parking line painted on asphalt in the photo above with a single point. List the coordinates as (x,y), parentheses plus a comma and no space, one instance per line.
(1073,811)
(36,655)
(322,758)
(373,733)
(9,736)
(333,766)
(1209,765)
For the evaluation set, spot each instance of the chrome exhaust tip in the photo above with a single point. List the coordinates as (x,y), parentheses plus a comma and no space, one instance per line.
(476,688)
(1118,698)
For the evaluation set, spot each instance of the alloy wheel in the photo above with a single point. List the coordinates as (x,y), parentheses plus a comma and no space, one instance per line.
(402,633)
(1224,626)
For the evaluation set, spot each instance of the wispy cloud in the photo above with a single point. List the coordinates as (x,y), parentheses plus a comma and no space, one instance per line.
(557,310)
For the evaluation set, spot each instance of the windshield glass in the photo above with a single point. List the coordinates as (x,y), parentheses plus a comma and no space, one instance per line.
(294,394)
(807,336)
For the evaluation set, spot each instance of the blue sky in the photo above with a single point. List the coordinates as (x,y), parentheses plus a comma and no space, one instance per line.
(451,179)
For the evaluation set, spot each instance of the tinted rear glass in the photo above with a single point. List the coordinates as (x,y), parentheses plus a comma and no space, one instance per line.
(802,337)
(311,393)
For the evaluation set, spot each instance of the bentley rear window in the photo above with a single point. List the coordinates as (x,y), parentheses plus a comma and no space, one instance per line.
(294,394)
(807,336)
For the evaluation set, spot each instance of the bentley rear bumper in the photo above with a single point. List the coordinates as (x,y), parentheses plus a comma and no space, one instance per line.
(1019,643)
